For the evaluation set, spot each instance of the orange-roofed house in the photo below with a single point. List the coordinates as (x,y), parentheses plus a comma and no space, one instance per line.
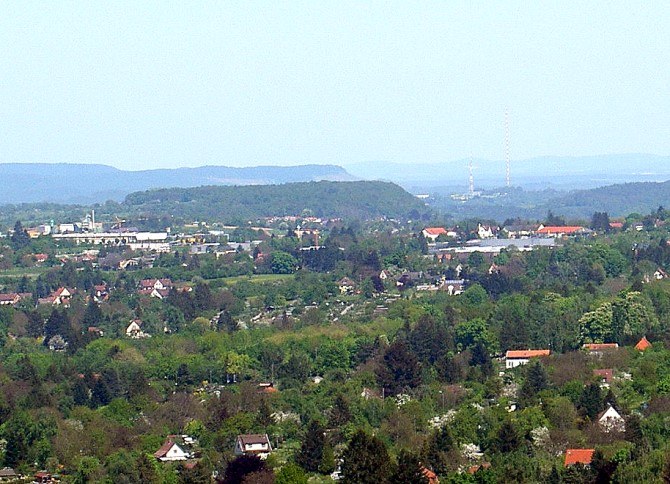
(643,344)
(514,358)
(430,476)
(558,231)
(578,456)
(432,233)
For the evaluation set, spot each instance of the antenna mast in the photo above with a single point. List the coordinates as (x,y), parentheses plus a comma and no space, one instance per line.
(471,179)
(508,183)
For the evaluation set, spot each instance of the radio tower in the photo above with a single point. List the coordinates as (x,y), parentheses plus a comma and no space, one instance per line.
(508,183)
(471,180)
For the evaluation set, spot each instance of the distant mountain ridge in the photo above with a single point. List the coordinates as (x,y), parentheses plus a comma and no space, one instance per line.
(84,183)
(564,173)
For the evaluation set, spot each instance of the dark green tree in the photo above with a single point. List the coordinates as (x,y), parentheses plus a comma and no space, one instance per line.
(409,469)
(507,438)
(340,414)
(20,238)
(536,381)
(310,455)
(590,401)
(365,460)
(399,370)
(439,452)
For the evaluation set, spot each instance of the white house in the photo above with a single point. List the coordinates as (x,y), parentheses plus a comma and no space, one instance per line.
(134,330)
(253,444)
(484,232)
(514,358)
(170,452)
(610,420)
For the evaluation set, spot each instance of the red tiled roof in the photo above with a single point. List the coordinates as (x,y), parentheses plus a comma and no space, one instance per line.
(435,230)
(606,374)
(599,346)
(475,468)
(526,353)
(578,456)
(429,475)
(616,225)
(165,448)
(643,344)
(569,229)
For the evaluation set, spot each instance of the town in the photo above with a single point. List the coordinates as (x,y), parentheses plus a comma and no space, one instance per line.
(299,348)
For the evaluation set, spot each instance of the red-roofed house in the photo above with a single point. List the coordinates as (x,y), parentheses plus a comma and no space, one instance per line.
(170,452)
(476,467)
(616,225)
(10,299)
(600,346)
(432,233)
(606,375)
(578,456)
(514,358)
(643,344)
(559,231)
(430,476)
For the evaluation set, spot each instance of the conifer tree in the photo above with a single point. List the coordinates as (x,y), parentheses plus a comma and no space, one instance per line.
(311,451)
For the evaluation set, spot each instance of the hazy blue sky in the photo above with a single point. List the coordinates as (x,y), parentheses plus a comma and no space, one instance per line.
(147,85)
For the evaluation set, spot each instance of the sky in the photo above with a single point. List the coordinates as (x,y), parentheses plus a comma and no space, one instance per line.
(141,85)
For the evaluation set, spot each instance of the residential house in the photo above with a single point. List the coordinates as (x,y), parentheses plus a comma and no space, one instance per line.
(57,343)
(383,275)
(578,456)
(267,387)
(514,358)
(611,420)
(134,330)
(170,452)
(10,299)
(453,286)
(562,231)
(430,476)
(432,233)
(660,274)
(606,376)
(62,296)
(100,293)
(483,466)
(598,349)
(253,444)
(40,258)
(485,231)
(7,474)
(43,477)
(616,225)
(95,331)
(158,288)
(643,344)
(346,285)
(521,230)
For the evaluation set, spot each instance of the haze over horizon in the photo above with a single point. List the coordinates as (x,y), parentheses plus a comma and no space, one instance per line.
(154,85)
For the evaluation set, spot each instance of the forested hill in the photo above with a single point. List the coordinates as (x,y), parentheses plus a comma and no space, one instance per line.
(360,199)
(84,183)
(618,200)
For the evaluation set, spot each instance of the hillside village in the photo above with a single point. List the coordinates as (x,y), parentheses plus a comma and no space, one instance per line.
(311,349)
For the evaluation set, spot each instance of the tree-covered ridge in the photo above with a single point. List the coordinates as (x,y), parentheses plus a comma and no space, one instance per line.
(617,200)
(361,200)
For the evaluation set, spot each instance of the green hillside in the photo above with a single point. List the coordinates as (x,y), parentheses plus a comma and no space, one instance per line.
(362,199)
